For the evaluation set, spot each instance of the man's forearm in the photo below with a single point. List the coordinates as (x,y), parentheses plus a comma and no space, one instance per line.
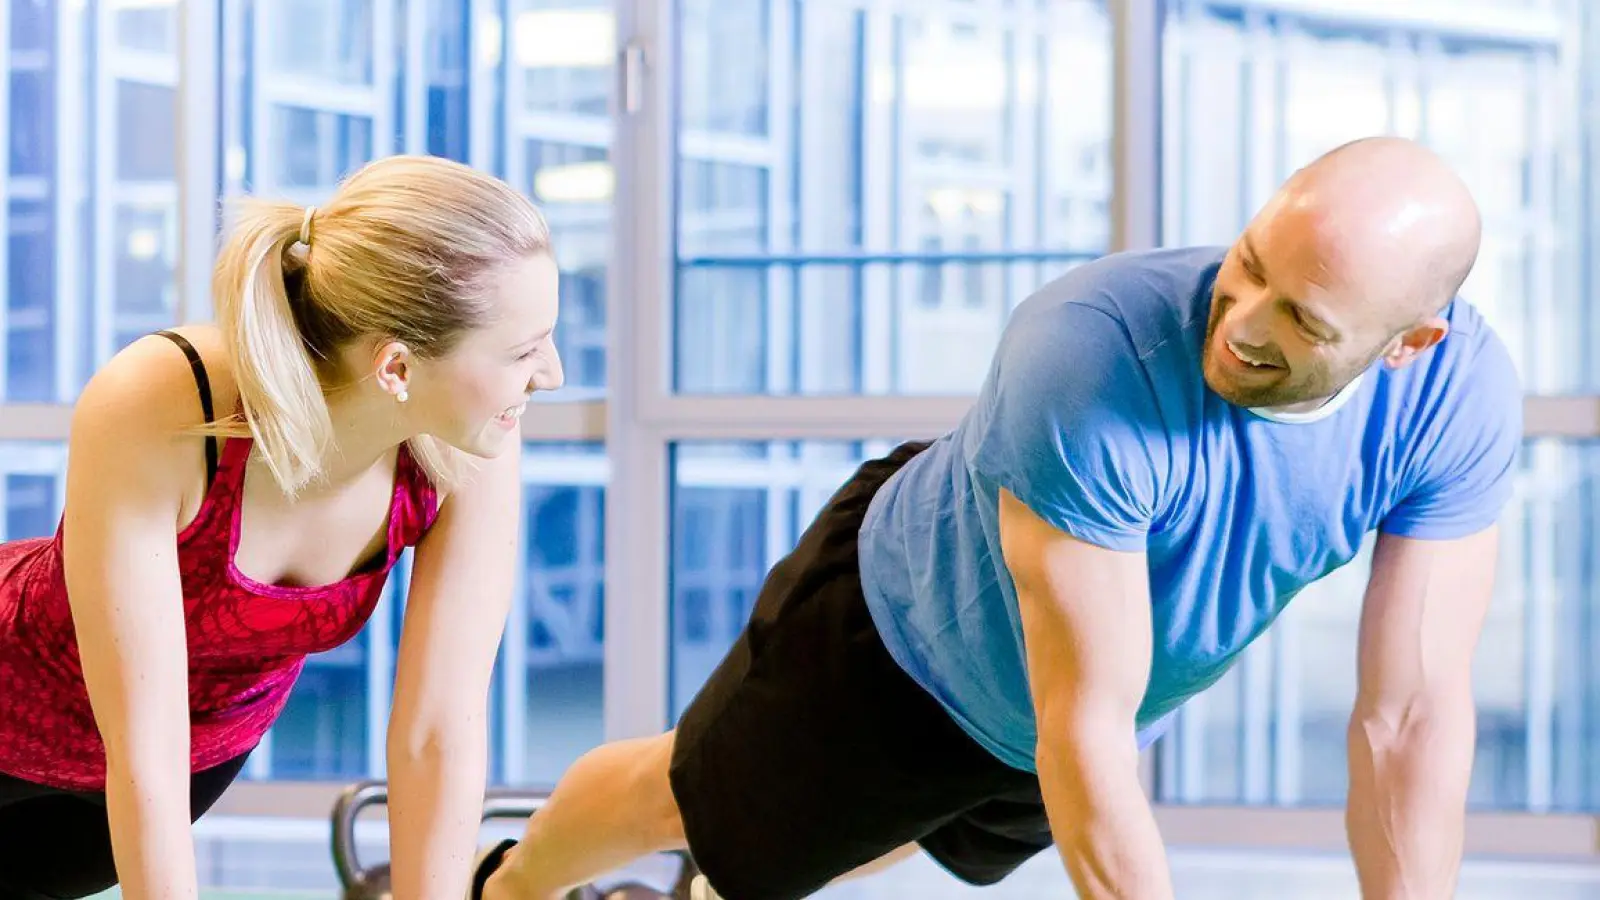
(435,808)
(1409,775)
(1102,821)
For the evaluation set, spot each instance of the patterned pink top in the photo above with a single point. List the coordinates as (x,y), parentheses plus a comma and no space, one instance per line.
(247,640)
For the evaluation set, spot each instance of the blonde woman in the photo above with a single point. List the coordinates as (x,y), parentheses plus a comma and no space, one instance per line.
(236,497)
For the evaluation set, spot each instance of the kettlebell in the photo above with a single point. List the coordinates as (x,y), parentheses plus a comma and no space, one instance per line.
(369,884)
(375,883)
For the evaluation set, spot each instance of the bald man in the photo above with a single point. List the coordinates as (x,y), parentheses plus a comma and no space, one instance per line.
(972,642)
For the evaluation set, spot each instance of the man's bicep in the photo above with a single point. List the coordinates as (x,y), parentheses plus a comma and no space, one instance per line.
(1422,617)
(1085,612)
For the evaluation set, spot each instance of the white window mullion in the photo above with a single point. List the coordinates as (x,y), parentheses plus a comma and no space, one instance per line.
(417,74)
(72,186)
(200,134)
(385,140)
(103,165)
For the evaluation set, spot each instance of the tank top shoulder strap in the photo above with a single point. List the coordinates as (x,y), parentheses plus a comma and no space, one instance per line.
(418,495)
(203,384)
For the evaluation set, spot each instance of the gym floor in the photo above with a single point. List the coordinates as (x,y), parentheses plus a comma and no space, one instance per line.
(255,860)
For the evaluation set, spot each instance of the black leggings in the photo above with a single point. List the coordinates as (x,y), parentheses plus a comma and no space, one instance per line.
(56,844)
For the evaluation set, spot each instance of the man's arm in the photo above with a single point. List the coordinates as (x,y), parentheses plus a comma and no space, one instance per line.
(1086,624)
(1411,735)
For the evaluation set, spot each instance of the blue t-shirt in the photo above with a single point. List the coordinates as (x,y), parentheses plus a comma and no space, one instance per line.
(1096,415)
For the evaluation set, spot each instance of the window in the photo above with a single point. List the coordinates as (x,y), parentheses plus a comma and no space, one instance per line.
(860,209)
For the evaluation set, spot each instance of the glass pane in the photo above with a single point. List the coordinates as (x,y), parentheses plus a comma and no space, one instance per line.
(957,95)
(1252,97)
(33,121)
(318,148)
(150,26)
(328,40)
(33,482)
(325,732)
(147,125)
(736,510)
(573,185)
(446,49)
(563,603)
(860,210)
(565,49)
(725,80)
(32,305)
(146,252)
(32,24)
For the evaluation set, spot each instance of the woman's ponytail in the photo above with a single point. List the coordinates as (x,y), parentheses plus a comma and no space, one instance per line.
(277,377)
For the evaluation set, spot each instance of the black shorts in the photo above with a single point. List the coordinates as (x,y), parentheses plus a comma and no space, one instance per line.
(810,752)
(56,843)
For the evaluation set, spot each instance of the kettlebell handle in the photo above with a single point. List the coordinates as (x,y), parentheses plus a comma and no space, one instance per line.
(352,800)
(497,804)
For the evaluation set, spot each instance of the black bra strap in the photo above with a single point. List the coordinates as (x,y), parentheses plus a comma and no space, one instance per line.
(203,382)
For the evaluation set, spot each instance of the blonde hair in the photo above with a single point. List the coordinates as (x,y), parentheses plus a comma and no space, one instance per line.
(406,249)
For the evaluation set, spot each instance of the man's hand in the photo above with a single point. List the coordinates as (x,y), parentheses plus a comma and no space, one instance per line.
(1412,732)
(1086,623)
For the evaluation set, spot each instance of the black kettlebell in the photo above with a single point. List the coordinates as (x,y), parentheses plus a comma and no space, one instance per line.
(376,883)
(370,884)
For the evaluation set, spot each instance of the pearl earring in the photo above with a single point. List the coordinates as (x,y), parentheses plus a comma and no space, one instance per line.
(402,396)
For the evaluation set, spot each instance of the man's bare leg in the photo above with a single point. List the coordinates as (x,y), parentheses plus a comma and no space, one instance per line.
(613,806)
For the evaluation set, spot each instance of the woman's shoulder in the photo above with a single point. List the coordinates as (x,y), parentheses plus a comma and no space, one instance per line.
(136,426)
(157,381)
(145,404)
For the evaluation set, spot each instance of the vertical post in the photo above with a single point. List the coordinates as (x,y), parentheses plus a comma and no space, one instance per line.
(483,54)
(1542,616)
(514,661)
(380,663)
(637,666)
(69,57)
(105,201)
(386,138)
(513,102)
(198,140)
(414,76)
(7,73)
(1136,124)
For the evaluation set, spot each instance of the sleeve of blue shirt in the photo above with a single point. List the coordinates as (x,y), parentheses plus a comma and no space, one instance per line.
(1069,424)
(1467,476)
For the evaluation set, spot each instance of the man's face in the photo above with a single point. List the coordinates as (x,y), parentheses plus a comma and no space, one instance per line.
(1284,330)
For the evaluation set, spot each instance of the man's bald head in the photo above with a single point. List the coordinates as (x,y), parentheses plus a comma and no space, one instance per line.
(1389,212)
(1352,260)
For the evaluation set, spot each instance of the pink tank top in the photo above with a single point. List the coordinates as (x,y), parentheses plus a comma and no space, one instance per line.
(247,640)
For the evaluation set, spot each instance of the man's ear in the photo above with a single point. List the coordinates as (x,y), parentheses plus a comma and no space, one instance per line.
(1415,341)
